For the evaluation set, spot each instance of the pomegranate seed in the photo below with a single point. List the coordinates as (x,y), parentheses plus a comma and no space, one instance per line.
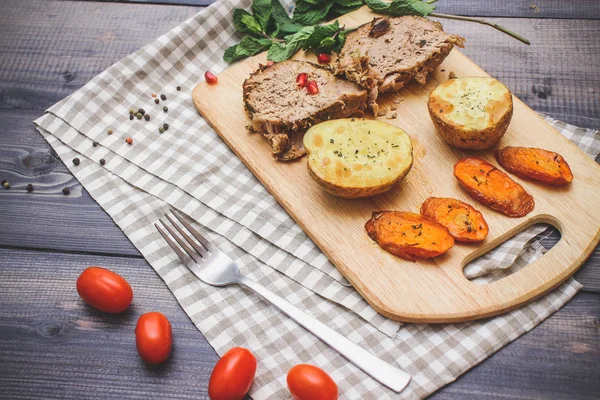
(129,141)
(312,88)
(301,79)
(210,77)
(270,63)
(324,58)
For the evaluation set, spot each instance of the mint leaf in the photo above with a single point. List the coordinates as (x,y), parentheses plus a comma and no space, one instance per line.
(349,3)
(251,24)
(240,18)
(400,7)
(247,47)
(293,43)
(326,44)
(281,24)
(340,40)
(339,9)
(308,14)
(320,32)
(262,12)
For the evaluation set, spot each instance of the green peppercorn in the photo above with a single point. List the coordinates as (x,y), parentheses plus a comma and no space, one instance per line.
(139,116)
(131,111)
(6,185)
(66,191)
(165,109)
(29,188)
(161,130)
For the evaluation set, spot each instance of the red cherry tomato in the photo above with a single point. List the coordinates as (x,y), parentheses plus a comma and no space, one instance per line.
(232,376)
(210,77)
(307,382)
(104,290)
(153,337)
(312,87)
(324,58)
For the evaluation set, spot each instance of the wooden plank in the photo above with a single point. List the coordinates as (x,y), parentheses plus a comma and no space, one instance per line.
(576,9)
(39,64)
(46,218)
(430,290)
(53,346)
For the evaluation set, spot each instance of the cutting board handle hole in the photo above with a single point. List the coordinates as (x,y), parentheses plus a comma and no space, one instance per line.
(505,258)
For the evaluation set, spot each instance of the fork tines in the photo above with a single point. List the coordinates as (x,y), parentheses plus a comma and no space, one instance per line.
(194,249)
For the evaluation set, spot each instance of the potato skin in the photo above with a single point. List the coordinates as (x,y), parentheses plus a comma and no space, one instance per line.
(492,187)
(464,222)
(356,158)
(537,164)
(464,137)
(408,235)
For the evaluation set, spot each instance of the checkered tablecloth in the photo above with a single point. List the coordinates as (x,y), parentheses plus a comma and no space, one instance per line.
(190,168)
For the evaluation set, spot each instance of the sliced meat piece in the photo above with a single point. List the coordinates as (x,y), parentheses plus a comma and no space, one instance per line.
(387,53)
(278,107)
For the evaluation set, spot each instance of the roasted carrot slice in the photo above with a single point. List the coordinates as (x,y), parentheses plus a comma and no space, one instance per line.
(492,187)
(408,235)
(538,164)
(464,222)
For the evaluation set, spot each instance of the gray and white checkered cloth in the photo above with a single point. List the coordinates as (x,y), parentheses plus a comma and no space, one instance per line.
(191,169)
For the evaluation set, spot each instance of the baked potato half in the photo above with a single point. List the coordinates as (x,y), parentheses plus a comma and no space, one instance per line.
(472,112)
(355,158)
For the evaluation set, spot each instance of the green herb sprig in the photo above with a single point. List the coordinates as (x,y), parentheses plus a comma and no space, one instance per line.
(268,26)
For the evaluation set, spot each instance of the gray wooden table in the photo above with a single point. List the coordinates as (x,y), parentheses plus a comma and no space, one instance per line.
(53,346)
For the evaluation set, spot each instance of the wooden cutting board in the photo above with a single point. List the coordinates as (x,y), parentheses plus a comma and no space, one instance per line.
(432,291)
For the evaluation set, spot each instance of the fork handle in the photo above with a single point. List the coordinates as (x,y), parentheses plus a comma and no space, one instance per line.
(385,373)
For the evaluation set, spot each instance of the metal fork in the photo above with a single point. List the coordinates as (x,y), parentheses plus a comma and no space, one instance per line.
(215,268)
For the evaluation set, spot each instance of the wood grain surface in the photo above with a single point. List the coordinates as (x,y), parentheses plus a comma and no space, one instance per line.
(428,290)
(48,49)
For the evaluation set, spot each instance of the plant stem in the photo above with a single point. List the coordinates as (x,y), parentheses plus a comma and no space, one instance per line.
(483,22)
(272,38)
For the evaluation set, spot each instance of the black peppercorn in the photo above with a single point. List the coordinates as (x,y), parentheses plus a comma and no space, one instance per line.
(29,188)
(131,117)
(66,191)
(102,161)
(76,161)
(178,88)
(2,182)
(166,126)
(95,144)
(147,117)
(142,111)
(163,97)
(156,101)
(165,109)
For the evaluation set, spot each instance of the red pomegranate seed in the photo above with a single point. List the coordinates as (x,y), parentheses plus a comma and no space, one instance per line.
(312,88)
(301,79)
(324,58)
(210,77)
(270,63)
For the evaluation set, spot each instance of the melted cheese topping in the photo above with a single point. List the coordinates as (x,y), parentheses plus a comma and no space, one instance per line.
(358,153)
(471,103)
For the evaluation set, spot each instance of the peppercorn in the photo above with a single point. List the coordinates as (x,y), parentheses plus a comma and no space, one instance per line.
(129,141)
(110,131)
(142,111)
(6,185)
(76,161)
(131,117)
(131,111)
(95,144)
(66,191)
(163,97)
(102,161)
(178,88)
(161,130)
(29,188)
(166,126)
(156,101)
(147,117)
(139,116)
(165,109)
